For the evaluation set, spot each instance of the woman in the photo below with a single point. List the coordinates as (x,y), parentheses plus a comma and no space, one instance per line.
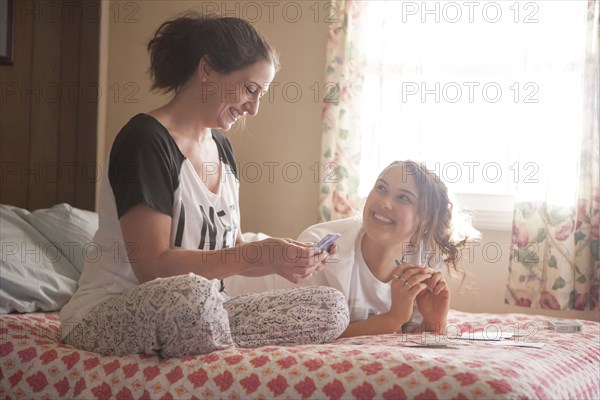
(389,264)
(169,216)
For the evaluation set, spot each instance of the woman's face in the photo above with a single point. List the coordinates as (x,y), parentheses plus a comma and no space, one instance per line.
(230,96)
(390,215)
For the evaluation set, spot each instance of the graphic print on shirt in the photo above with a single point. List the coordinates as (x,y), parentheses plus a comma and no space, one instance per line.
(226,229)
(204,220)
(209,225)
(180,225)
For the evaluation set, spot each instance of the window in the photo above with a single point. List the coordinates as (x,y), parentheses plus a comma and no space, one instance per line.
(479,91)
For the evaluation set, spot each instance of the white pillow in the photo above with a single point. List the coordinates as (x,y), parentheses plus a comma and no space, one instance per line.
(34,274)
(70,229)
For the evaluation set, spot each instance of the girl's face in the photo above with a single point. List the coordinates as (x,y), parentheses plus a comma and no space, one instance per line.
(390,215)
(232,95)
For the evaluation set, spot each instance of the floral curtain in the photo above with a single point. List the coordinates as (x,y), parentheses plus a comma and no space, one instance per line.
(555,261)
(340,156)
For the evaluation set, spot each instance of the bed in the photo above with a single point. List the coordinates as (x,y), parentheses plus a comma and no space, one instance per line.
(34,364)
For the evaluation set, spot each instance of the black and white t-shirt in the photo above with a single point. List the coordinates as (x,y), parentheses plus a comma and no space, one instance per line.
(147,167)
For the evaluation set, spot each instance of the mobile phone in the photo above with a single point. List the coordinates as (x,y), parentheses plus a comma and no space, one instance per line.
(327,241)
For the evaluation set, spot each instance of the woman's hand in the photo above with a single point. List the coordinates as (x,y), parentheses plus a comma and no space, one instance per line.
(407,283)
(434,303)
(333,249)
(290,259)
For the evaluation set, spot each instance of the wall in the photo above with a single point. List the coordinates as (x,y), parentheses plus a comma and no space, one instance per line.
(49,105)
(284,138)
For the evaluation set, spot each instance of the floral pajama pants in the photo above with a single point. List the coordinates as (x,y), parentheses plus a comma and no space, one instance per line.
(186,315)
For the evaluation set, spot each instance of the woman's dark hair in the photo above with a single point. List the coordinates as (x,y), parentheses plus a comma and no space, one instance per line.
(230,44)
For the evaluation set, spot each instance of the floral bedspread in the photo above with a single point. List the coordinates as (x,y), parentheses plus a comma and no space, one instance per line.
(33,364)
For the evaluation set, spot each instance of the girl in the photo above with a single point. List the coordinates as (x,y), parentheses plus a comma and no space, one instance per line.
(389,262)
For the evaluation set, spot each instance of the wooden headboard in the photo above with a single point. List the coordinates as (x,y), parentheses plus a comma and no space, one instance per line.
(49,105)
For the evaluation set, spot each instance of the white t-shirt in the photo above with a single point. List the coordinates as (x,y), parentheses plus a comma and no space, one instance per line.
(146,167)
(348,272)
(368,296)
